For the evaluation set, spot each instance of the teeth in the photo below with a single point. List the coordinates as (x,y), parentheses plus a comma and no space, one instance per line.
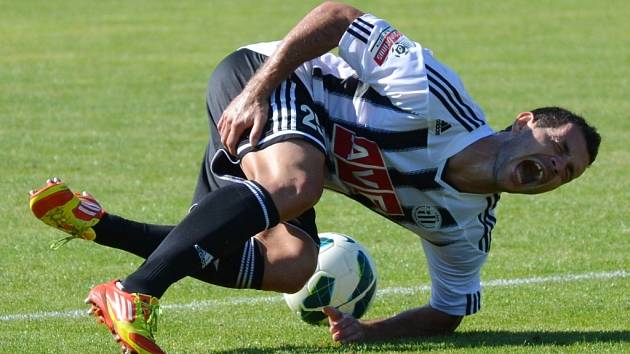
(540,170)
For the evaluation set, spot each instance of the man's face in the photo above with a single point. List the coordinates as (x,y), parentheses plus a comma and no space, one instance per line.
(536,160)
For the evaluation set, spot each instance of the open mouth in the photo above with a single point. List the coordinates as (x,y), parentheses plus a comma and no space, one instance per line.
(530,172)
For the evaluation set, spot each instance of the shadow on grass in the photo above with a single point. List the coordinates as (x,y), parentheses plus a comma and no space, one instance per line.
(487,339)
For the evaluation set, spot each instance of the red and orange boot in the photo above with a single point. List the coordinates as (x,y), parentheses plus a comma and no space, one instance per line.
(73,213)
(131,317)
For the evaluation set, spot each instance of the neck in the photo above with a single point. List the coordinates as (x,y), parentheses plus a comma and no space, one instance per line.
(472,170)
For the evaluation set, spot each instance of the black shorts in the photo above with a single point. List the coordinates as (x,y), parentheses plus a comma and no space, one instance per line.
(291,116)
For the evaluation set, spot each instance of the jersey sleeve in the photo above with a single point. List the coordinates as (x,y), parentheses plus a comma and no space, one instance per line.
(455,277)
(388,61)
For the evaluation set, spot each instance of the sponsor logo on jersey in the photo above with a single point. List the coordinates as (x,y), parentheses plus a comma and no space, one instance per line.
(427,216)
(360,166)
(401,47)
(381,48)
(441,126)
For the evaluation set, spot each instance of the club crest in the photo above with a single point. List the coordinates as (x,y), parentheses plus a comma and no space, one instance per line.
(427,216)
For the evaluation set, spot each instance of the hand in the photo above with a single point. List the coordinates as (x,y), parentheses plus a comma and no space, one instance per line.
(343,327)
(247,110)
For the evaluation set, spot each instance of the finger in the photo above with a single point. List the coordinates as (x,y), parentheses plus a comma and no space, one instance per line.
(222,123)
(337,337)
(221,128)
(226,132)
(224,139)
(231,141)
(345,323)
(333,314)
(353,337)
(256,132)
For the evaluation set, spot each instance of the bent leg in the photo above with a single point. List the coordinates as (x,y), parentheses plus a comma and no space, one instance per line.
(224,219)
(280,259)
(291,171)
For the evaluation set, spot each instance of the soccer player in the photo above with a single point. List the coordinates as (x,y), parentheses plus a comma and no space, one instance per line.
(384,123)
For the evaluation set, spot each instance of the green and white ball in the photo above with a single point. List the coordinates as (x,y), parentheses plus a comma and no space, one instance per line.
(345,278)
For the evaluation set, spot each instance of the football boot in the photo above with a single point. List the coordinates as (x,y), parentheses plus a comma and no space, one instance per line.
(131,318)
(73,213)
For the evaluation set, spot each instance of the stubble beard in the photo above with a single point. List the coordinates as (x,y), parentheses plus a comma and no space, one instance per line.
(499,161)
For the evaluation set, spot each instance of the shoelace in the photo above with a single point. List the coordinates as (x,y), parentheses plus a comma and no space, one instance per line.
(154,312)
(152,321)
(62,241)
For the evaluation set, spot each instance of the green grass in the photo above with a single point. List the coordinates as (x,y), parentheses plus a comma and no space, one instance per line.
(109,96)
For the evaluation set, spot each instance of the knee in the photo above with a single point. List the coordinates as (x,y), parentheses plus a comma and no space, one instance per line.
(292,172)
(293,194)
(307,190)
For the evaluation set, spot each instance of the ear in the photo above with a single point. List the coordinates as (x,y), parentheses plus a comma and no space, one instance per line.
(523,120)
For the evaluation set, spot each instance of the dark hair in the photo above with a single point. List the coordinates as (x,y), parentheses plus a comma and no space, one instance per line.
(551,117)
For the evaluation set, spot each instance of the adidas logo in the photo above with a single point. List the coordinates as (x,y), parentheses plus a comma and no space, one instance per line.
(441,126)
(205,257)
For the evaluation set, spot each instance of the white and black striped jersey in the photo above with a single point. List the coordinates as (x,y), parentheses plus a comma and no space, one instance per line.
(392,116)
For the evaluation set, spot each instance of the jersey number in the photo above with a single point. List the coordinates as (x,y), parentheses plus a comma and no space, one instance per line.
(361,168)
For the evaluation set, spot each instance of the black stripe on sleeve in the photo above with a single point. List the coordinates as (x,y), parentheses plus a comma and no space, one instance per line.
(359,19)
(471,113)
(357,35)
(468,304)
(475,302)
(487,221)
(360,28)
(446,105)
(483,241)
(490,221)
(454,104)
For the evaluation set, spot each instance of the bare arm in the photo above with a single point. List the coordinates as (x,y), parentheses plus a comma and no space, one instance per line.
(317,33)
(419,322)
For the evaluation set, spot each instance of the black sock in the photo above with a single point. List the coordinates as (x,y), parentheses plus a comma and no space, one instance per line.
(218,226)
(142,239)
(138,238)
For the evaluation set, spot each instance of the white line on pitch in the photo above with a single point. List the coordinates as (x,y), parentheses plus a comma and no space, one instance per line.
(200,305)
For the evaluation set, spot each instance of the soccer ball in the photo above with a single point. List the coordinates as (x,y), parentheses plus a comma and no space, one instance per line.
(345,278)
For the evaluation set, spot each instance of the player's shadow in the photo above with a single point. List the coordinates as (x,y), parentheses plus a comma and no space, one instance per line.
(460,341)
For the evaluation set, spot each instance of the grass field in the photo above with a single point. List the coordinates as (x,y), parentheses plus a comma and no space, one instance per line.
(109,96)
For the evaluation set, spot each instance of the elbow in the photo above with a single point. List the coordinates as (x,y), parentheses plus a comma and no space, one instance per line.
(331,9)
(449,325)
